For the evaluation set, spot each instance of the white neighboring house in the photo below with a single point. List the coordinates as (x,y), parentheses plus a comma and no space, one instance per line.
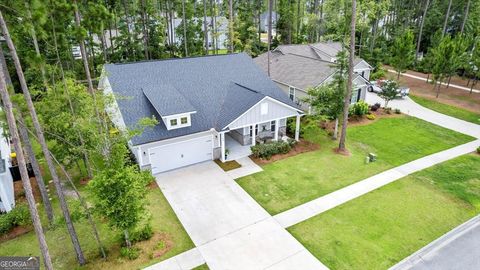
(295,68)
(7,198)
(204,105)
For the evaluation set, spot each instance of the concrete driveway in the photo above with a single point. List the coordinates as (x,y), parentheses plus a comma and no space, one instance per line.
(230,230)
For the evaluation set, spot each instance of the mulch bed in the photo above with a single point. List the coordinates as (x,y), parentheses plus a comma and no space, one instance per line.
(15,232)
(301,147)
(228,165)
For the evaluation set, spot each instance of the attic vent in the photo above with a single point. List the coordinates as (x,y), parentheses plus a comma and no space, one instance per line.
(264,108)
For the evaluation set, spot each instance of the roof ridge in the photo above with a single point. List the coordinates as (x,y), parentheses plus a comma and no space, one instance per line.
(175,59)
(320,60)
(250,89)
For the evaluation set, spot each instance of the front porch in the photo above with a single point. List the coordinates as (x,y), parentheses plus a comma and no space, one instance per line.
(237,143)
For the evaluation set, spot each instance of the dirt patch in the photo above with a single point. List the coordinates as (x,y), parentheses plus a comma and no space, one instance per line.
(164,244)
(451,96)
(84,181)
(15,232)
(20,192)
(152,185)
(228,165)
(301,147)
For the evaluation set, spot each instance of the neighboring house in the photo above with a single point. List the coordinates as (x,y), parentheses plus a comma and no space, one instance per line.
(221,31)
(204,105)
(7,198)
(264,21)
(295,68)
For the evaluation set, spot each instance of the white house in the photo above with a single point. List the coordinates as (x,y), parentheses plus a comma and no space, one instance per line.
(7,198)
(204,105)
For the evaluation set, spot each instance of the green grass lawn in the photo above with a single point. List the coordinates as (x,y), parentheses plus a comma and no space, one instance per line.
(299,179)
(381,228)
(164,222)
(448,109)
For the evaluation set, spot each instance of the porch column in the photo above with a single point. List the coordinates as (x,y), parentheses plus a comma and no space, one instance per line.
(275,137)
(222,146)
(297,129)
(253,135)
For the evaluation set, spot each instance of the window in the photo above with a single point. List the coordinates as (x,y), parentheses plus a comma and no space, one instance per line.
(272,126)
(363,73)
(256,130)
(264,108)
(183,120)
(291,93)
(173,122)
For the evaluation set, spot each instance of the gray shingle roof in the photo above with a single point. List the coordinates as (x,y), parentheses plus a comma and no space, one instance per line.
(170,102)
(296,70)
(220,88)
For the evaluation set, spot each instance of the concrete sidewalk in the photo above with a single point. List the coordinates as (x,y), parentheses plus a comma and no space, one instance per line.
(336,198)
(458,249)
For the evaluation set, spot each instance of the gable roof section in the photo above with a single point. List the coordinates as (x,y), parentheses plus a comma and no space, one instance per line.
(296,70)
(170,102)
(217,87)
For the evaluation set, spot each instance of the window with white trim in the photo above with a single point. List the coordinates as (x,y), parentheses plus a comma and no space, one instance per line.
(291,93)
(173,122)
(184,120)
(273,125)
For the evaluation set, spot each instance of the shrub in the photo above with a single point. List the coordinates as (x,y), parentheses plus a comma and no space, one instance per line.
(19,216)
(267,150)
(478,150)
(129,253)
(397,111)
(307,122)
(388,110)
(360,108)
(143,234)
(371,116)
(375,107)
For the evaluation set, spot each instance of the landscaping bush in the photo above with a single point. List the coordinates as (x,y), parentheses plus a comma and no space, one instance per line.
(360,108)
(398,111)
(143,234)
(19,216)
(388,110)
(371,116)
(129,253)
(307,122)
(374,108)
(267,150)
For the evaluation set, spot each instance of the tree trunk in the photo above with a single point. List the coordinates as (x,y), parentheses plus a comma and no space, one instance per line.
(23,171)
(298,22)
(212,22)
(35,45)
(398,75)
(85,62)
(449,79)
(184,29)
(269,33)
(473,84)
(43,143)
(127,239)
(447,15)
(348,96)
(439,84)
(419,40)
(35,166)
(335,131)
(230,27)
(205,28)
(145,31)
(465,17)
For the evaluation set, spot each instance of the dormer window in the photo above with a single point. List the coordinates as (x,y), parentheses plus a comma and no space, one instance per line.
(184,120)
(178,120)
(173,122)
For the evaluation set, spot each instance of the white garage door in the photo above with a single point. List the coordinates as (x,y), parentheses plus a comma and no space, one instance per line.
(175,155)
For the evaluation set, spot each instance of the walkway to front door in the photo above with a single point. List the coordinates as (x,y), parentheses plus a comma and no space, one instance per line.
(230,230)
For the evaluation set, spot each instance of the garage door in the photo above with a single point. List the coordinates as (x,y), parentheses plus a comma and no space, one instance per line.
(172,156)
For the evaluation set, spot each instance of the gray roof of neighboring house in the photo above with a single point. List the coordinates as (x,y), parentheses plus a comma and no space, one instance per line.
(219,88)
(302,65)
(296,70)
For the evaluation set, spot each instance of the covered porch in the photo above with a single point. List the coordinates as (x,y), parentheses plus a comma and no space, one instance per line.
(236,143)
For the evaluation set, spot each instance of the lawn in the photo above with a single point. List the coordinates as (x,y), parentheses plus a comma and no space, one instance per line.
(168,232)
(381,228)
(448,109)
(396,140)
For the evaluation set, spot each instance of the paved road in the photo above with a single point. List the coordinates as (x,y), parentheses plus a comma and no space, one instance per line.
(228,227)
(457,250)
(424,79)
